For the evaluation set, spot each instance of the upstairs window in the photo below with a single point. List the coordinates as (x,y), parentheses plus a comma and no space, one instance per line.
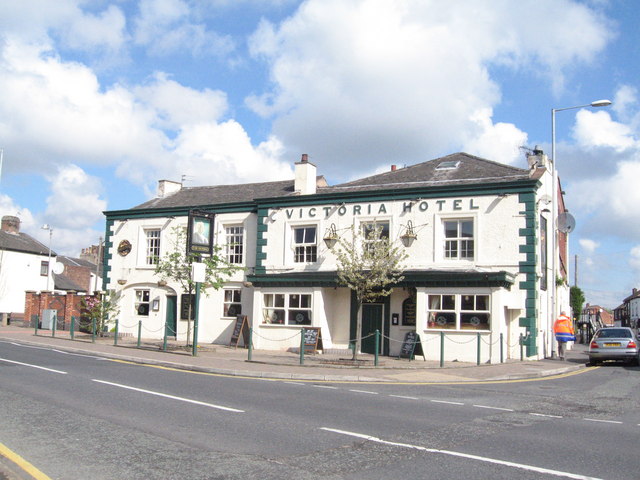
(234,249)
(153,247)
(305,249)
(458,239)
(44,268)
(373,232)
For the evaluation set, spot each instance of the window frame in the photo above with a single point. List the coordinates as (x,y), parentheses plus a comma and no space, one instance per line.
(458,311)
(152,246)
(459,239)
(305,251)
(44,268)
(139,300)
(292,303)
(228,303)
(234,251)
(365,230)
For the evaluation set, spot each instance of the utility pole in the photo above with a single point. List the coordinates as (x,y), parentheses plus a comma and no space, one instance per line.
(575,271)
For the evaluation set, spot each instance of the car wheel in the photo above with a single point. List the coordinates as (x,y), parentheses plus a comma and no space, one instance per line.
(593,362)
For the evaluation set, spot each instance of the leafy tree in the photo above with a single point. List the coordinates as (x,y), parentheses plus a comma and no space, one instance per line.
(576,299)
(369,264)
(104,307)
(176,266)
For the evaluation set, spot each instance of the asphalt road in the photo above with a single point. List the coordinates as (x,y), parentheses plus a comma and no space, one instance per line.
(81,417)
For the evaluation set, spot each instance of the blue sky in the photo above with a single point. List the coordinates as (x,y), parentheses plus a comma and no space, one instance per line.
(101,99)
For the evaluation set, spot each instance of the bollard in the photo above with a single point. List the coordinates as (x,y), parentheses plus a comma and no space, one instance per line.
(139,332)
(302,346)
(501,348)
(73,327)
(250,353)
(441,349)
(164,342)
(37,317)
(53,327)
(93,330)
(375,361)
(115,338)
(478,350)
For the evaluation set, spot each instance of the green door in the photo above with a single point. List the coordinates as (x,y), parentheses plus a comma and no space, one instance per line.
(371,321)
(171,317)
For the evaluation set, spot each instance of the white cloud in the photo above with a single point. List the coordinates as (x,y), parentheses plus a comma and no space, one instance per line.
(597,129)
(589,246)
(165,27)
(36,20)
(634,259)
(367,81)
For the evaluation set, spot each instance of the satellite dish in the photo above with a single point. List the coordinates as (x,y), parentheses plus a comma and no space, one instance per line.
(58,268)
(566,222)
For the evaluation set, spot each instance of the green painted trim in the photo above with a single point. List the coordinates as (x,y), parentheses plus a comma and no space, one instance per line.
(261,240)
(528,247)
(179,211)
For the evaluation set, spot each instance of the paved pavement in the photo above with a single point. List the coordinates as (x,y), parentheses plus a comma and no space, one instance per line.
(226,360)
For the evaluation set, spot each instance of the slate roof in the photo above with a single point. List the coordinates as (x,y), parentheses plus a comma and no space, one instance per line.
(21,242)
(221,194)
(470,170)
(62,282)
(76,262)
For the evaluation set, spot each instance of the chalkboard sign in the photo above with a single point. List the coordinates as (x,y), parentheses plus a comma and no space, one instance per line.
(312,339)
(241,327)
(411,346)
(409,312)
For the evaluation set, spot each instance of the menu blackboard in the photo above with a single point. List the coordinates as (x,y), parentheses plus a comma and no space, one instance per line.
(409,312)
(312,339)
(241,327)
(411,346)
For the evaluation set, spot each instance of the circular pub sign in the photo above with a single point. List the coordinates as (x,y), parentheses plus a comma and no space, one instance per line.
(124,248)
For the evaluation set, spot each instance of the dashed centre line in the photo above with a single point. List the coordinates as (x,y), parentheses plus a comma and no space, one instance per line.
(447,402)
(364,391)
(494,408)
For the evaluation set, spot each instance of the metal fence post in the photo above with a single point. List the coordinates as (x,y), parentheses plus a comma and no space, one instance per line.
(164,342)
(478,349)
(250,353)
(375,361)
(53,327)
(37,317)
(521,340)
(115,338)
(501,348)
(302,346)
(139,331)
(73,327)
(441,349)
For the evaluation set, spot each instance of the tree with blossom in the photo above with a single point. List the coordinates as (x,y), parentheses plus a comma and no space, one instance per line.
(103,307)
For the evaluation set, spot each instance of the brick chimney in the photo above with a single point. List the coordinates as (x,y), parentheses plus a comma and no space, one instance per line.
(305,181)
(10,224)
(393,168)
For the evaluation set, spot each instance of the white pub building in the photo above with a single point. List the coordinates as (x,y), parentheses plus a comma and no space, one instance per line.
(478,267)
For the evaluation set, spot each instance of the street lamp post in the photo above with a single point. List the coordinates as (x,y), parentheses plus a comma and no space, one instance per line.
(554,202)
(46,226)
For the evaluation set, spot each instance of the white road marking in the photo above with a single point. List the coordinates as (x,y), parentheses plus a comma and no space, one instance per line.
(33,366)
(182,399)
(494,408)
(54,350)
(448,403)
(545,415)
(328,387)
(601,421)
(364,391)
(402,396)
(505,463)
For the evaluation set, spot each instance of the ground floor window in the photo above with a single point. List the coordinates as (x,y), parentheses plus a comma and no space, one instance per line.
(142,303)
(231,306)
(458,312)
(287,308)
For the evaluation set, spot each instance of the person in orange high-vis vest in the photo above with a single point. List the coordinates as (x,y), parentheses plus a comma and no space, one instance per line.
(563,329)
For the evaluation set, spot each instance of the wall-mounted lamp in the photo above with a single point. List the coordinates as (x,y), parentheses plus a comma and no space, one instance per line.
(330,236)
(409,235)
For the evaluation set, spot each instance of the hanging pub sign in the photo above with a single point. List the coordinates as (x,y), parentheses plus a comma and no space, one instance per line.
(200,233)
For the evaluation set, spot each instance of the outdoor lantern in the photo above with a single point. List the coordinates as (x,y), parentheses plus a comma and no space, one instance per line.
(331,236)
(409,235)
